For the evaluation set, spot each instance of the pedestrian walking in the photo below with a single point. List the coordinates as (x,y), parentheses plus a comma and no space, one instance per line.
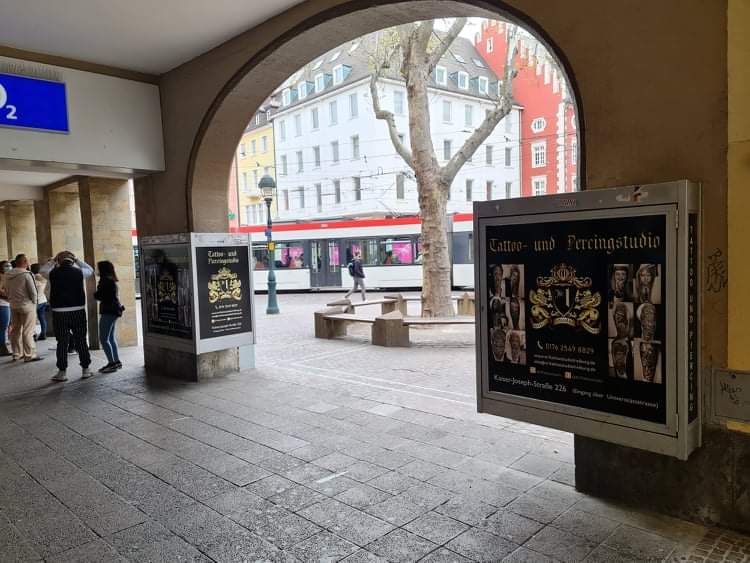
(42,306)
(357,271)
(22,296)
(5,267)
(67,300)
(110,309)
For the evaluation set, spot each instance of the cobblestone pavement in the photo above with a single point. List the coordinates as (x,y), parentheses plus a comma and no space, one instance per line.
(329,450)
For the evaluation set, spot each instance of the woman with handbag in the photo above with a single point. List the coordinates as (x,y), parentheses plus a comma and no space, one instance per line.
(110,309)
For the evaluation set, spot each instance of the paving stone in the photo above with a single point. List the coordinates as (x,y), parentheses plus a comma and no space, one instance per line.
(443,555)
(13,545)
(347,522)
(604,554)
(511,526)
(151,542)
(296,498)
(364,471)
(281,528)
(565,474)
(401,546)
(556,492)
(279,463)
(324,547)
(389,459)
(465,509)
(453,480)
(437,528)
(270,486)
(639,543)
(560,544)
(131,448)
(539,509)
(191,479)
(393,482)
(425,495)
(93,552)
(233,501)
(536,465)
(490,492)
(519,480)
(311,452)
(362,496)
(481,546)
(524,555)
(194,522)
(396,510)
(364,556)
(419,469)
(335,461)
(244,474)
(584,524)
(333,485)
(306,473)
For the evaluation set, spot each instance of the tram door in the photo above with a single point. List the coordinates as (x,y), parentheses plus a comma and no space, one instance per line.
(325,267)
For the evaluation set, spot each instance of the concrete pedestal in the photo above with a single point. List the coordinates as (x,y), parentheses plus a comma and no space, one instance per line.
(712,487)
(389,330)
(187,366)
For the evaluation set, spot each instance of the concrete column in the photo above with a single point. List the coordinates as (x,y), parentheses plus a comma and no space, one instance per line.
(3,235)
(43,230)
(65,220)
(105,220)
(20,224)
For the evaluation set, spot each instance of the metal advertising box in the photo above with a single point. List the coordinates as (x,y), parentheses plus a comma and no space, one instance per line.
(588,313)
(197,291)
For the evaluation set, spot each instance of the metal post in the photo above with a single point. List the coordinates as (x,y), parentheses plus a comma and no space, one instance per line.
(273,306)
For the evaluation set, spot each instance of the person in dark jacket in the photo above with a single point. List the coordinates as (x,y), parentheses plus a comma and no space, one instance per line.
(110,310)
(67,300)
(358,273)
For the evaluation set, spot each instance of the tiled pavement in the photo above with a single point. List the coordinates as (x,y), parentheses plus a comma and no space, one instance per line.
(327,451)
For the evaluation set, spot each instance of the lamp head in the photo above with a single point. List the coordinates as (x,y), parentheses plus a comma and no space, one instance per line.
(267,186)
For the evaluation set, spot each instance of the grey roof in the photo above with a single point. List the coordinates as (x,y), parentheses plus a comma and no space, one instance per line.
(459,57)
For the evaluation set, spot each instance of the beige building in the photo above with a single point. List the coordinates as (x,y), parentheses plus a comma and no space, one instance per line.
(255,159)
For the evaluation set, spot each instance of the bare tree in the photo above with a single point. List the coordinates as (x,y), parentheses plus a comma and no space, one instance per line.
(416,49)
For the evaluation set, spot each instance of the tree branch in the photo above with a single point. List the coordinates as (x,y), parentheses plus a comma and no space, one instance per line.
(388,117)
(445,42)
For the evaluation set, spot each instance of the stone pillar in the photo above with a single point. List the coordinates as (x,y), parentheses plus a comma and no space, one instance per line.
(105,220)
(20,225)
(3,235)
(65,220)
(43,230)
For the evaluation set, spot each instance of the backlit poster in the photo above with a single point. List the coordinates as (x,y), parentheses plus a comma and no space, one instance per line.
(167,295)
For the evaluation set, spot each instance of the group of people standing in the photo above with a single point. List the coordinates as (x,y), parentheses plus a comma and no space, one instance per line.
(29,291)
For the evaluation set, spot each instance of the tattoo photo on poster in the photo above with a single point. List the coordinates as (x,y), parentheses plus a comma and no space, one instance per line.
(224,296)
(167,295)
(576,315)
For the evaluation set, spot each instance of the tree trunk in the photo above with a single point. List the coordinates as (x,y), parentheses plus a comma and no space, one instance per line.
(436,265)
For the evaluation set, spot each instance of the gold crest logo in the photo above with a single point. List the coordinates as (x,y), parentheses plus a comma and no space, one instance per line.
(224,284)
(167,289)
(563,298)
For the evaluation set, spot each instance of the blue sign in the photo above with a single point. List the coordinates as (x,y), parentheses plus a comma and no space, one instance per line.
(33,103)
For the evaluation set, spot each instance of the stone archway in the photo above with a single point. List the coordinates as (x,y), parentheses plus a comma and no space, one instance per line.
(237,101)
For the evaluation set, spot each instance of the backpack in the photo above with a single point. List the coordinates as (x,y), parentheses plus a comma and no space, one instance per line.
(350,268)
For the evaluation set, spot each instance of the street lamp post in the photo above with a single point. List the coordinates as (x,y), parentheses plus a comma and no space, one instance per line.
(267,186)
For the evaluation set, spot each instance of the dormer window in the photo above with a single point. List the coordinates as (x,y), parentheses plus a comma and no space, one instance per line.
(320,82)
(286,97)
(459,58)
(302,90)
(441,75)
(463,81)
(483,84)
(353,47)
(478,63)
(338,74)
(334,56)
(317,64)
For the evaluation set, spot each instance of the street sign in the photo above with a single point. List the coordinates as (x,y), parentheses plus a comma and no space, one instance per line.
(33,103)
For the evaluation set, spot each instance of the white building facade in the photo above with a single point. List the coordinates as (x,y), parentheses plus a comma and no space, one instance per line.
(335,159)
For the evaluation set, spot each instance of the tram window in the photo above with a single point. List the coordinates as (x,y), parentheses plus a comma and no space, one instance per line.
(260,255)
(287,255)
(396,251)
(367,247)
(463,248)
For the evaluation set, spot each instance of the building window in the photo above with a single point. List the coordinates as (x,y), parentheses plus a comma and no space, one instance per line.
(508,188)
(285,196)
(338,74)
(539,154)
(243,151)
(353,107)
(335,152)
(268,115)
(257,119)
(302,90)
(574,152)
(298,125)
(469,115)
(316,156)
(508,156)
(249,215)
(398,102)
(539,185)
(574,183)
(286,97)
(538,125)
(255,178)
(355,147)
(469,189)
(400,186)
(508,124)
(300,163)
(446,149)
(245,186)
(483,84)
(488,154)
(282,130)
(447,111)
(463,81)
(488,194)
(441,75)
(314,118)
(319,196)
(284,169)
(334,56)
(333,113)
(357,188)
(490,44)
(319,82)
(253,147)
(337,191)
(298,198)
(264,143)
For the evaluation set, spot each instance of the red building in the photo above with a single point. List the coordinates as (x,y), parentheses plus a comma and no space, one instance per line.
(549,152)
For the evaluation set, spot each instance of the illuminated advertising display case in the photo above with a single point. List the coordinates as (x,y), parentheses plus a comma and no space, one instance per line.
(588,313)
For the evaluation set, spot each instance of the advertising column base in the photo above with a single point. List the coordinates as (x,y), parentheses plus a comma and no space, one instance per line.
(187,366)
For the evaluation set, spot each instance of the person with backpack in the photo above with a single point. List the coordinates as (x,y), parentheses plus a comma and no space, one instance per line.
(357,272)
(67,300)
(110,309)
(22,295)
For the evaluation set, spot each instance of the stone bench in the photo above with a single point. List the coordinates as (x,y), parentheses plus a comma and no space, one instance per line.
(464,302)
(332,322)
(387,304)
(392,329)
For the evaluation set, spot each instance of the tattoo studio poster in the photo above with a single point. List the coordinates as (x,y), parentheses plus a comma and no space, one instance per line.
(576,313)
(223,290)
(167,298)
